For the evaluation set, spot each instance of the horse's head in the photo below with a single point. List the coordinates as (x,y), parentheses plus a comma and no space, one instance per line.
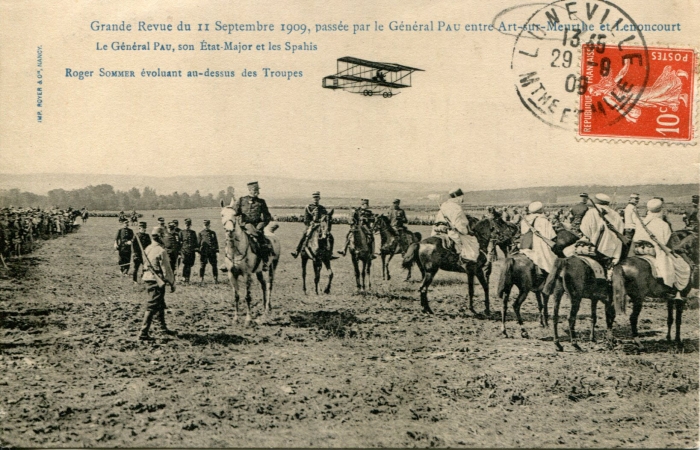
(324,228)
(482,230)
(228,218)
(381,222)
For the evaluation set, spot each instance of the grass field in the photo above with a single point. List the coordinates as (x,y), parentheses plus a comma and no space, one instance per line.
(330,370)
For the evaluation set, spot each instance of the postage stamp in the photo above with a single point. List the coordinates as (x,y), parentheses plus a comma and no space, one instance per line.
(624,99)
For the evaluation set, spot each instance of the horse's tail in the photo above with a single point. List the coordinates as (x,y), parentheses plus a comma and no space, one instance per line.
(411,256)
(552,277)
(506,276)
(618,288)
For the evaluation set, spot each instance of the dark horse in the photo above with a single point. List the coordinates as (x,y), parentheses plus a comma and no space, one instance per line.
(433,253)
(520,271)
(504,235)
(360,252)
(634,277)
(318,249)
(392,243)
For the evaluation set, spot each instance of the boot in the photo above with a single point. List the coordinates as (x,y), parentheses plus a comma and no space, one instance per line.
(201,281)
(147,319)
(163,327)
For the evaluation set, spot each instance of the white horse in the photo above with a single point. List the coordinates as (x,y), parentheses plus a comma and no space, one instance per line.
(241,262)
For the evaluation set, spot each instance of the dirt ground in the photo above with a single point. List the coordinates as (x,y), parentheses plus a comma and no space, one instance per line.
(332,370)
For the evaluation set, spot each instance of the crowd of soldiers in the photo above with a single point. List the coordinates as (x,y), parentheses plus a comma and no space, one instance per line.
(20,228)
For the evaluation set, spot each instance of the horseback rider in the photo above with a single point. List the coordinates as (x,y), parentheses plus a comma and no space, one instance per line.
(631,215)
(691,216)
(597,230)
(312,217)
(653,230)
(539,251)
(364,219)
(577,212)
(452,218)
(255,217)
(397,220)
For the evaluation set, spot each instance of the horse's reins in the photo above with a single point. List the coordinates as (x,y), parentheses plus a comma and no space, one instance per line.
(233,240)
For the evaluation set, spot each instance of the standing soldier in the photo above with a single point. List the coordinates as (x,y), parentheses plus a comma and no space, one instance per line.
(171,243)
(178,231)
(312,215)
(122,244)
(398,220)
(363,218)
(208,247)
(631,215)
(145,240)
(255,217)
(577,212)
(691,216)
(188,239)
(157,275)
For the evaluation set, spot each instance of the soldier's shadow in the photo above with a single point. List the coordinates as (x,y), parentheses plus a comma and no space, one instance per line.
(213,338)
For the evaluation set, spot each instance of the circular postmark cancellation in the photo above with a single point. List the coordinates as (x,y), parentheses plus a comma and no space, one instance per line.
(554,70)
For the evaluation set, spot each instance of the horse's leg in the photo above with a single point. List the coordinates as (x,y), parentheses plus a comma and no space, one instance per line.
(470,286)
(317,273)
(427,279)
(356,266)
(388,275)
(327,263)
(384,267)
(522,296)
(679,313)
(609,321)
(271,281)
(545,309)
(248,282)
(558,294)
(369,267)
(594,317)
(234,283)
(634,317)
(504,311)
(304,260)
(575,305)
(263,284)
(483,280)
(669,318)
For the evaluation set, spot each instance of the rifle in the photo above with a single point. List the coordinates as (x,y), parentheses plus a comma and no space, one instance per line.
(159,280)
(549,242)
(663,247)
(624,239)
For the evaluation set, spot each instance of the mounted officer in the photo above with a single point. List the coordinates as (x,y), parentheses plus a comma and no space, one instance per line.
(577,212)
(602,227)
(145,239)
(631,215)
(122,244)
(538,250)
(312,216)
(363,218)
(255,217)
(398,220)
(188,249)
(452,220)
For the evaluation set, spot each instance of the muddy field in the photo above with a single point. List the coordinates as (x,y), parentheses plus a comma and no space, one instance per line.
(331,370)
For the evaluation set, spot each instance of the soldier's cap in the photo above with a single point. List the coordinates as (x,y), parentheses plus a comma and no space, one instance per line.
(456,193)
(316,194)
(206,221)
(659,198)
(124,220)
(583,194)
(253,184)
(655,205)
(397,201)
(143,224)
(188,221)
(534,207)
(157,231)
(634,196)
(175,221)
(171,224)
(364,201)
(161,220)
(695,198)
(602,199)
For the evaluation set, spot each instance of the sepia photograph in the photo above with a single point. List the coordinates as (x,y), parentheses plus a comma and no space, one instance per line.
(349,224)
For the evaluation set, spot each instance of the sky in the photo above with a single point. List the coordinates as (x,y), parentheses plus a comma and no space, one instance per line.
(461,120)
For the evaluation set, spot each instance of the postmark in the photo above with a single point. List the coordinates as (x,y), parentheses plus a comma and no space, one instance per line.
(546,58)
(664,106)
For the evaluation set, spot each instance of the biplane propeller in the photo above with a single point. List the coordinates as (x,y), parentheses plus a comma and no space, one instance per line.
(368,78)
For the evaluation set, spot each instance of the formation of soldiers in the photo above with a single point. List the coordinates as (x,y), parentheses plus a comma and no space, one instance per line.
(20,228)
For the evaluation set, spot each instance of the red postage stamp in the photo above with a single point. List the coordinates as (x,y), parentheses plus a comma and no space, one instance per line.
(643,94)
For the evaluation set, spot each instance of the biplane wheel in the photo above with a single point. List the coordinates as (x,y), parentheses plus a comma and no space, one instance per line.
(370,93)
(365,92)
(386,95)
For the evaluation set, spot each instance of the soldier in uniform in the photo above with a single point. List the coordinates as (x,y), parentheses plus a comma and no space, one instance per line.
(630,216)
(577,212)
(161,223)
(255,217)
(312,215)
(691,216)
(398,220)
(171,243)
(157,267)
(143,237)
(595,228)
(122,244)
(188,239)
(208,247)
(179,237)
(363,218)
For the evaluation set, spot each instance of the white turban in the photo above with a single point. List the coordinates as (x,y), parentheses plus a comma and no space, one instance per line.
(602,199)
(535,207)
(655,205)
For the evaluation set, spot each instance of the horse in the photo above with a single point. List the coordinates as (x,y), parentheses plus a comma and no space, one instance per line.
(392,243)
(520,271)
(504,235)
(85,216)
(319,249)
(634,277)
(242,263)
(361,252)
(434,253)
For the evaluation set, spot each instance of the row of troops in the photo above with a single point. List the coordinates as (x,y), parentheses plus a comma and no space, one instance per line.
(21,227)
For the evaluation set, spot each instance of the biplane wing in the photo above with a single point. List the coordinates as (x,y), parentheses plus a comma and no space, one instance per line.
(365,77)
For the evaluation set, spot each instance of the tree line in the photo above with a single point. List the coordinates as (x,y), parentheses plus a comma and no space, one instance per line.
(104,197)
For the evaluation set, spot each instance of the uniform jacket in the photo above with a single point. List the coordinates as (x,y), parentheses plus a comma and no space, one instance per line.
(124,237)
(171,241)
(313,213)
(159,262)
(254,211)
(145,240)
(541,254)
(630,216)
(188,241)
(397,218)
(207,242)
(609,245)
(673,269)
(363,217)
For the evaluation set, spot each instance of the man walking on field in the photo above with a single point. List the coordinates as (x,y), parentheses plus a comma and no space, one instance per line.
(158,275)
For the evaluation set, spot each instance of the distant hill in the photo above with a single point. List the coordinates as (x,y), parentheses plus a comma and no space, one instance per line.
(289,191)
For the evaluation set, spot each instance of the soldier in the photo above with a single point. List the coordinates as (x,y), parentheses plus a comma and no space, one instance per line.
(188,239)
(161,223)
(452,217)
(540,253)
(157,275)
(631,215)
(122,244)
(363,218)
(595,228)
(398,220)
(171,243)
(691,216)
(577,212)
(145,240)
(312,214)
(179,237)
(255,217)
(208,247)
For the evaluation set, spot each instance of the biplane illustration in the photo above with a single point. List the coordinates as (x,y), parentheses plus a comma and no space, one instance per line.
(368,78)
